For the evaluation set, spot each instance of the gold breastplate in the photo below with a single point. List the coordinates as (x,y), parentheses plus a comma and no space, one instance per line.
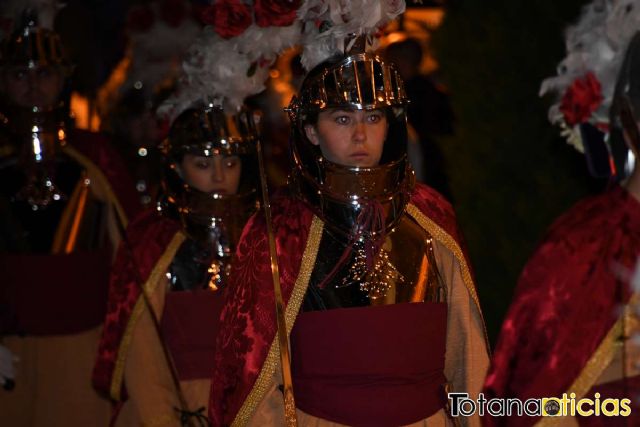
(404,270)
(409,250)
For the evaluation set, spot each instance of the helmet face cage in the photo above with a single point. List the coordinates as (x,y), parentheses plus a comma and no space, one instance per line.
(208,131)
(32,46)
(358,82)
(362,81)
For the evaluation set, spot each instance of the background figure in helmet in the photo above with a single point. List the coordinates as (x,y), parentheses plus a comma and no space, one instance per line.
(136,135)
(180,254)
(176,261)
(144,78)
(568,327)
(428,113)
(60,220)
(380,301)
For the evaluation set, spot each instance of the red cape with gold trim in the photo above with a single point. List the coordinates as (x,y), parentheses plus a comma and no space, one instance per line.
(248,324)
(151,243)
(565,303)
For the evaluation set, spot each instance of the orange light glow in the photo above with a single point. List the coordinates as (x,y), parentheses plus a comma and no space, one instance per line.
(86,117)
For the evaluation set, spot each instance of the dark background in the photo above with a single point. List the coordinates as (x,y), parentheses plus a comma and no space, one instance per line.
(510,172)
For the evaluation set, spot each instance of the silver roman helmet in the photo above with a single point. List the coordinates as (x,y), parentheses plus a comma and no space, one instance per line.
(211,218)
(36,131)
(343,195)
(31,45)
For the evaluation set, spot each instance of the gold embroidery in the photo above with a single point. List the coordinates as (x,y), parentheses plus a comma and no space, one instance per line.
(377,280)
(102,180)
(264,379)
(215,272)
(450,243)
(148,288)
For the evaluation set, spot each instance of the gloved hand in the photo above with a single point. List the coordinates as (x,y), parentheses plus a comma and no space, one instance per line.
(7,369)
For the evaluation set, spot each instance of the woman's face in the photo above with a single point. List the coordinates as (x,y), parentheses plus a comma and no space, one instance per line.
(29,87)
(350,137)
(216,174)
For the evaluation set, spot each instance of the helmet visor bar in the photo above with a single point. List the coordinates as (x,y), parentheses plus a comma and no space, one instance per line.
(33,48)
(210,131)
(360,82)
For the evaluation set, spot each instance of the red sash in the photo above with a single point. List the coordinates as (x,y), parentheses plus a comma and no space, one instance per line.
(54,294)
(370,366)
(190,326)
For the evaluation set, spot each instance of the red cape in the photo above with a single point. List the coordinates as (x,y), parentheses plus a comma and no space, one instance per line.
(566,301)
(248,324)
(148,236)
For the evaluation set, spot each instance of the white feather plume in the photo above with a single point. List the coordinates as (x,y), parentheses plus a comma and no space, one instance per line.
(156,54)
(329,23)
(153,58)
(596,44)
(226,71)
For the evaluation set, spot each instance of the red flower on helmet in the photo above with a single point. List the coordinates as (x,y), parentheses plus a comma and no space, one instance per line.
(229,18)
(277,13)
(140,19)
(581,99)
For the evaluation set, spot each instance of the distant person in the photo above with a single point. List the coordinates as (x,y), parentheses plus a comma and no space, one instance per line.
(429,112)
(567,331)
(182,253)
(63,202)
(136,134)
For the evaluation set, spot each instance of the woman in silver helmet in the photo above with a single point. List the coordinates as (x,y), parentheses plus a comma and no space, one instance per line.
(379,297)
(165,297)
(63,195)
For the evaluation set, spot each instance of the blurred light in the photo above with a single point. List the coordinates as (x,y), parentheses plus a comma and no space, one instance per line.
(274,74)
(37,149)
(84,116)
(396,37)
